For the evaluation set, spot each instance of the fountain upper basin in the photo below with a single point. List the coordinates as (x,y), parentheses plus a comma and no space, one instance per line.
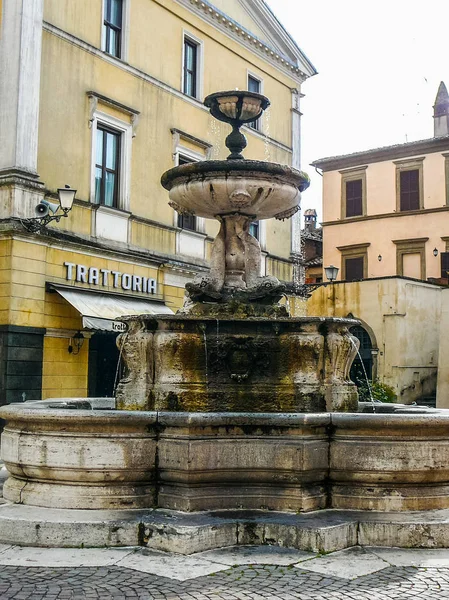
(248,187)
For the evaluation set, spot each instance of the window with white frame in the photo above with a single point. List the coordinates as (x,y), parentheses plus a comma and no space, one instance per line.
(254,229)
(107,166)
(111,163)
(254,85)
(186,221)
(192,66)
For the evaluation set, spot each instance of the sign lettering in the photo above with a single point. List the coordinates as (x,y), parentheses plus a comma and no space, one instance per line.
(105,277)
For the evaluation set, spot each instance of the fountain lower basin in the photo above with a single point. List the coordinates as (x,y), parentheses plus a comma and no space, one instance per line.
(222,461)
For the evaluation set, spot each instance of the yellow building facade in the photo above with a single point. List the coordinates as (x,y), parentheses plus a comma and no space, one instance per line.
(106,95)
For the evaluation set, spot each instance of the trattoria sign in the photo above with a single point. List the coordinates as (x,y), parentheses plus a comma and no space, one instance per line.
(107,278)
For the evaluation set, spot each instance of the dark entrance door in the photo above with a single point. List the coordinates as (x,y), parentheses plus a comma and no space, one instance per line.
(357,373)
(103,365)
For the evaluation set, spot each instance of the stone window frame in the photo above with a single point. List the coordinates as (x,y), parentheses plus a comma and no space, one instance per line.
(257,125)
(179,150)
(410,246)
(125,131)
(354,251)
(353,175)
(409,164)
(189,37)
(446,176)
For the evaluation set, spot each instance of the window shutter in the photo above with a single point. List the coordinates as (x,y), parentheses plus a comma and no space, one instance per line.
(409,182)
(444,265)
(354,198)
(354,268)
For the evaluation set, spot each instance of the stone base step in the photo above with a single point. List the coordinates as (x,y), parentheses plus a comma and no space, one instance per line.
(186,533)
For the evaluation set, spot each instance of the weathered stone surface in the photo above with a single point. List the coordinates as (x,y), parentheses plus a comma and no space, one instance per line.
(390,462)
(199,364)
(262,461)
(79,459)
(209,461)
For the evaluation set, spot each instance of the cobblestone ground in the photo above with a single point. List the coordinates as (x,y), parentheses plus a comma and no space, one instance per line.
(237,583)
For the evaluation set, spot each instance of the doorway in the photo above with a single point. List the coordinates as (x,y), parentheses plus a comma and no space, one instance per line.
(104,368)
(365,356)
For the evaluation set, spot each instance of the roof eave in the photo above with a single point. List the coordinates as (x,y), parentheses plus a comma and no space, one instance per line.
(396,151)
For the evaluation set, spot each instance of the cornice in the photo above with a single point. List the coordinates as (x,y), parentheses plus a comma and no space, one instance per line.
(385,153)
(408,213)
(259,10)
(231,28)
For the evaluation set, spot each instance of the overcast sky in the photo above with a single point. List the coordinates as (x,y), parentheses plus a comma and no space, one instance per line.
(379,66)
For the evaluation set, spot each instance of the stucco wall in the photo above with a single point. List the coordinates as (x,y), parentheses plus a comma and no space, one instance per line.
(403,319)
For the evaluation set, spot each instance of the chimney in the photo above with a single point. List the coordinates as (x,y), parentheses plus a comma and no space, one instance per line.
(310,219)
(441,112)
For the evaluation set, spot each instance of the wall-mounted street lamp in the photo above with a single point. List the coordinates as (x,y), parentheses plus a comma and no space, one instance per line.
(48,211)
(435,252)
(379,258)
(76,342)
(331,272)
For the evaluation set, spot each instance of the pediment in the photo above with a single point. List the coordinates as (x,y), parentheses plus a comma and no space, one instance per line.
(255,17)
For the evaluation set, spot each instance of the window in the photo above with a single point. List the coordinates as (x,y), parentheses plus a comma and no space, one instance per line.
(354,262)
(353,192)
(411,257)
(191,51)
(186,221)
(446,175)
(107,163)
(112,27)
(254,85)
(409,184)
(354,268)
(444,265)
(111,155)
(254,229)
(409,190)
(354,198)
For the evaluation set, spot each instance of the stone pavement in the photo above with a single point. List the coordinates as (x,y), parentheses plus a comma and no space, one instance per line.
(239,573)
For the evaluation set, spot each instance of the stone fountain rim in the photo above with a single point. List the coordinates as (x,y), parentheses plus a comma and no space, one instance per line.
(39,416)
(255,169)
(271,320)
(59,415)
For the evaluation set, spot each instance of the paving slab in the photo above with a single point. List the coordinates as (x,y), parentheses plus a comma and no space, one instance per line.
(255,555)
(347,564)
(172,566)
(413,557)
(62,557)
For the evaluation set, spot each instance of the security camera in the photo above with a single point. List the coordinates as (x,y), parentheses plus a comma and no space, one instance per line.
(44,207)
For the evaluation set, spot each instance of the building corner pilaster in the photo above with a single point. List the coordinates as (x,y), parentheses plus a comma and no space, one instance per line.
(20,68)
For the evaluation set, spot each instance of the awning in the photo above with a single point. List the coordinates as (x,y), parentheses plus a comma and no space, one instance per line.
(99,310)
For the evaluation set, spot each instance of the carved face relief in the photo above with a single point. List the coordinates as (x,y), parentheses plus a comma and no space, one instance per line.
(239,358)
(240,198)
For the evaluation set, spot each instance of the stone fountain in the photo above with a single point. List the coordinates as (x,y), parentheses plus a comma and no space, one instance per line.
(234,418)
(232,347)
